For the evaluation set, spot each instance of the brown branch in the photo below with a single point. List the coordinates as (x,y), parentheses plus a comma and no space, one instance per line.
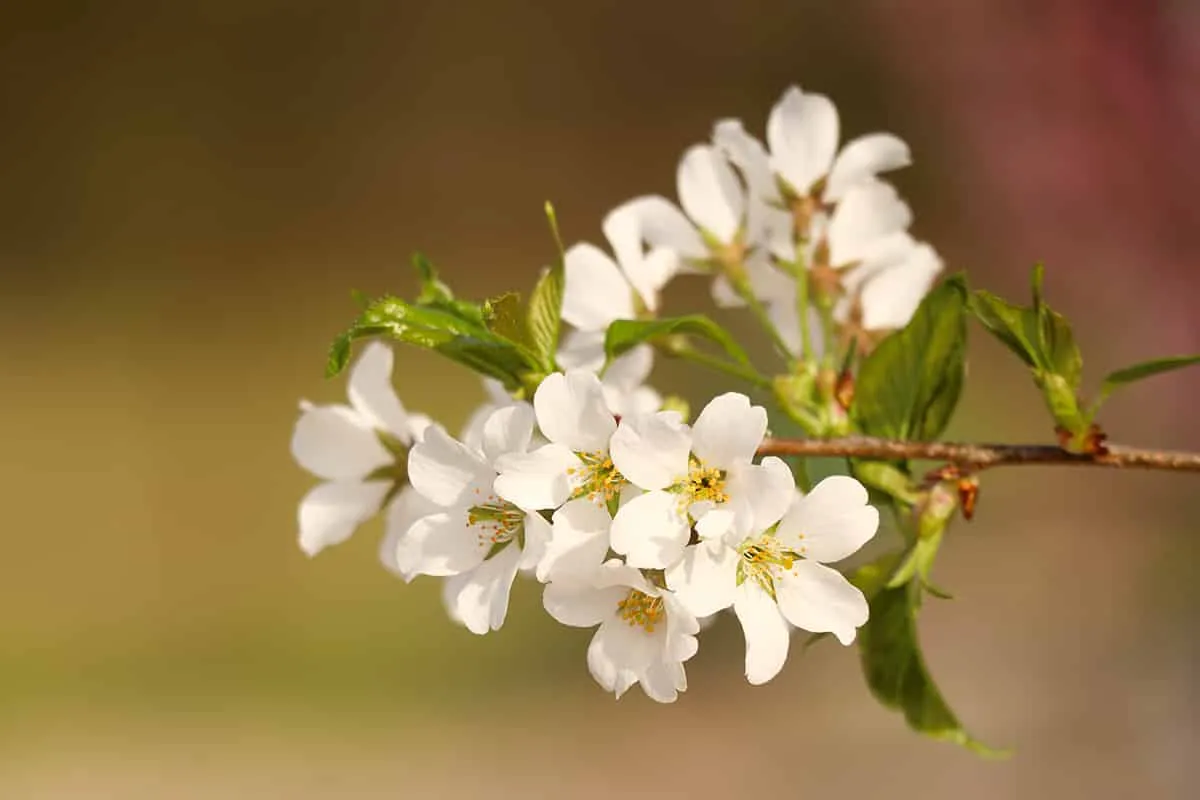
(981,456)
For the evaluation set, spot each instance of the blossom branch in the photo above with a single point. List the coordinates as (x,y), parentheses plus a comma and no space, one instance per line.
(982,456)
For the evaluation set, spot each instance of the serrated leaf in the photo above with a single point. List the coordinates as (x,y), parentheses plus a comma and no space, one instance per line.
(434,328)
(1008,323)
(435,294)
(909,386)
(895,669)
(1146,369)
(626,334)
(505,316)
(544,318)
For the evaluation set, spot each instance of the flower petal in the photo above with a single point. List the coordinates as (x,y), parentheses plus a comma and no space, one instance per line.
(579,604)
(867,214)
(710,193)
(764,490)
(819,599)
(619,647)
(802,133)
(402,513)
(863,159)
(831,522)
(651,450)
(442,544)
(537,540)
(728,430)
(337,443)
(479,598)
(766,632)
(507,430)
(571,411)
(655,221)
(596,291)
(445,470)
(582,350)
(705,579)
(749,155)
(629,370)
(578,541)
(650,531)
(663,681)
(891,296)
(371,392)
(331,512)
(538,479)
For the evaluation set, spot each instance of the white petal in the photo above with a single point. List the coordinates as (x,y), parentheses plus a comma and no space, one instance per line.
(579,604)
(582,350)
(864,158)
(372,395)
(537,540)
(507,430)
(642,400)
(537,479)
(802,133)
(571,411)
(578,541)
(662,682)
(709,192)
(868,213)
(749,155)
(819,599)
(444,470)
(765,489)
(405,509)
(831,522)
(336,443)
(651,450)
(331,512)
(625,647)
(442,544)
(728,430)
(682,627)
(655,221)
(892,295)
(766,632)
(479,598)
(712,522)
(705,580)
(596,292)
(650,531)
(629,370)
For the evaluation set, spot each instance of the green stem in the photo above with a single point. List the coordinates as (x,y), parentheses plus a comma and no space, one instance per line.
(828,332)
(800,270)
(759,310)
(747,374)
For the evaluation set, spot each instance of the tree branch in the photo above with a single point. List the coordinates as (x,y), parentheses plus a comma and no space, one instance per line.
(981,456)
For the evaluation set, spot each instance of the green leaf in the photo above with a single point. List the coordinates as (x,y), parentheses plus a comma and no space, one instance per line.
(1059,353)
(544,318)
(625,334)
(505,316)
(438,328)
(895,669)
(910,384)
(1013,326)
(1136,372)
(435,294)
(887,478)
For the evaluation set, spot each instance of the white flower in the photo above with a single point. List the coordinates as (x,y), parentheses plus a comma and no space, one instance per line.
(776,577)
(574,417)
(475,538)
(345,445)
(700,476)
(623,382)
(885,294)
(497,398)
(644,634)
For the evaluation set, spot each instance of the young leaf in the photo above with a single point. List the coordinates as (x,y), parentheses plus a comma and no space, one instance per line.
(435,294)
(625,334)
(895,668)
(544,318)
(910,384)
(1137,372)
(435,328)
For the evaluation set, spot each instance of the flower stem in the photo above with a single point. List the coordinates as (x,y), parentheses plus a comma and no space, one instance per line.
(745,373)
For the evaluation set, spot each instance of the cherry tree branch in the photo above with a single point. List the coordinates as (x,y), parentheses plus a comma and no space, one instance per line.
(981,456)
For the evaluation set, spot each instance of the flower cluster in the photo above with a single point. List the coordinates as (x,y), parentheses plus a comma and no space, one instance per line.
(638,524)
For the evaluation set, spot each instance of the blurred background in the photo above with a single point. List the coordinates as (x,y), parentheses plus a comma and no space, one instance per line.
(191,190)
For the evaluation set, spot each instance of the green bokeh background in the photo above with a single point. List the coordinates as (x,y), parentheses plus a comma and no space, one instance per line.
(191,190)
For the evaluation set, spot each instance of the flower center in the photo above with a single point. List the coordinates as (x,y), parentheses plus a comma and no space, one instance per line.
(705,484)
(596,477)
(641,610)
(496,521)
(761,561)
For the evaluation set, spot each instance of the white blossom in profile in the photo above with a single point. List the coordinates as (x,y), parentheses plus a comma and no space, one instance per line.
(354,448)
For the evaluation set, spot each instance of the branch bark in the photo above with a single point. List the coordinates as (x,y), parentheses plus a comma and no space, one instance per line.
(977,457)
